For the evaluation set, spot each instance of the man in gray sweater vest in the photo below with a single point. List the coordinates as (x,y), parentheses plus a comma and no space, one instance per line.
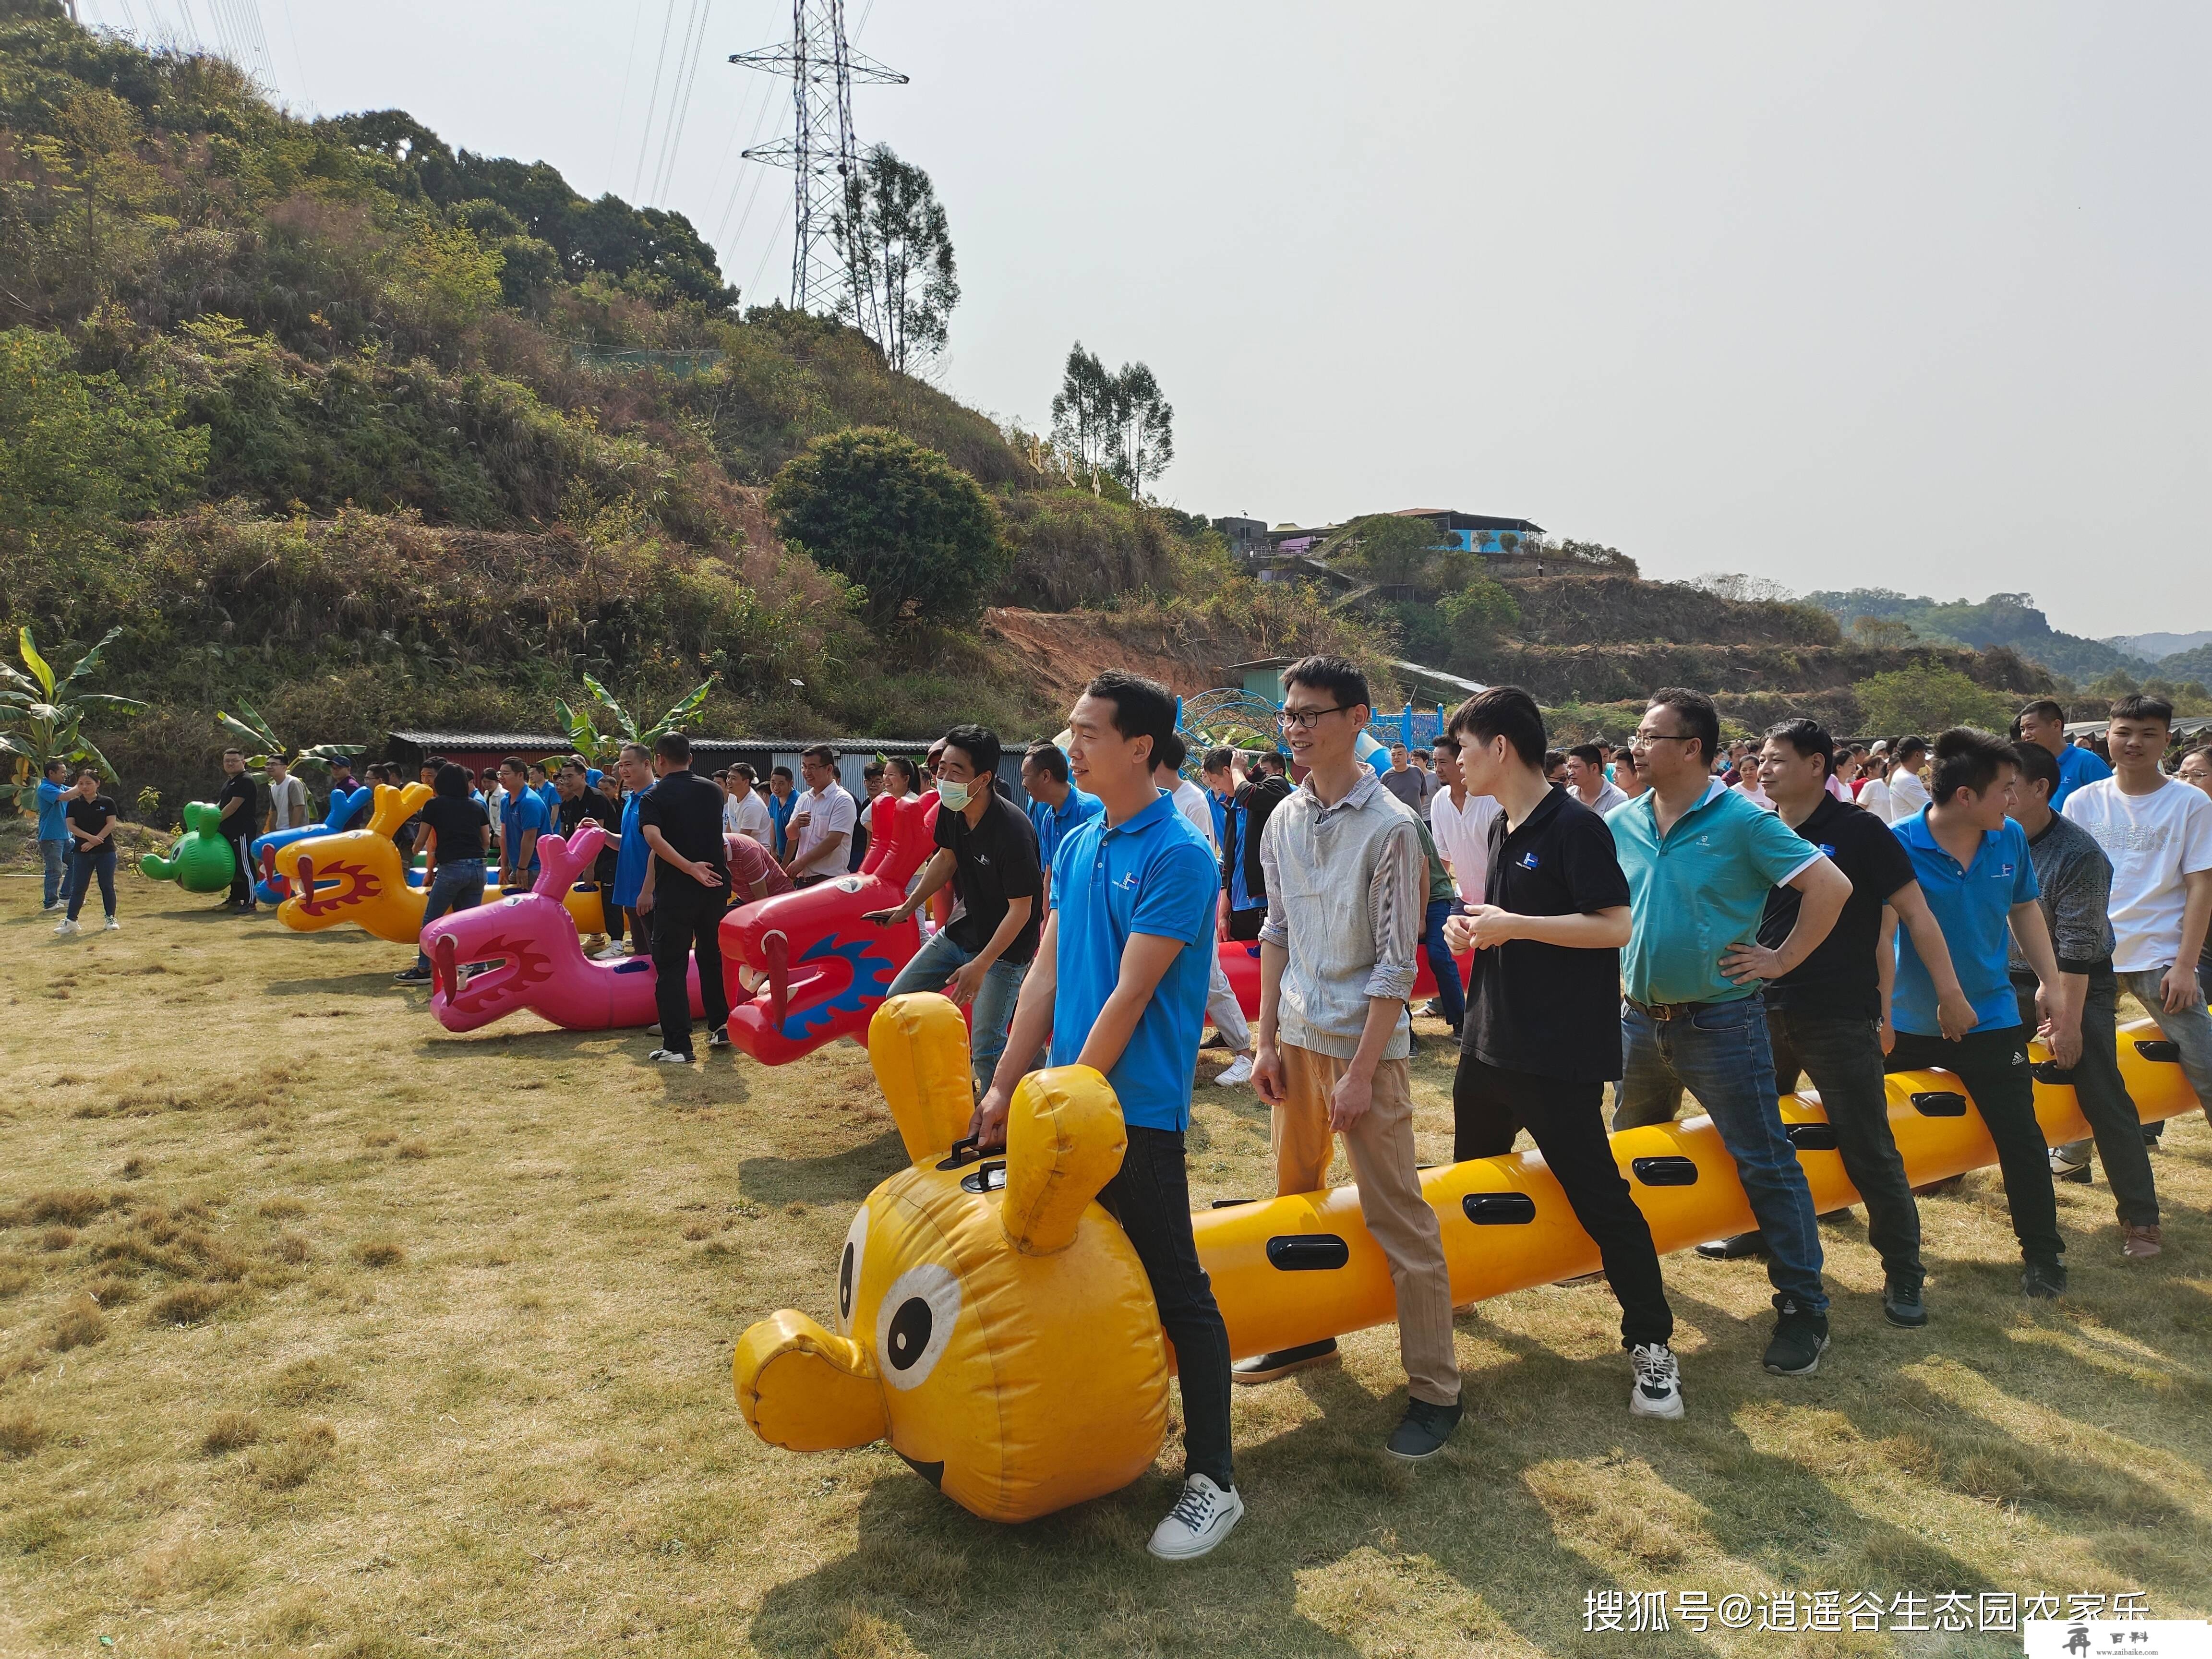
(1348,888)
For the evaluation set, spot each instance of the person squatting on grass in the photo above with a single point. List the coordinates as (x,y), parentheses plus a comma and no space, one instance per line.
(1348,888)
(987,847)
(1700,857)
(1119,985)
(1973,866)
(2076,879)
(1543,1020)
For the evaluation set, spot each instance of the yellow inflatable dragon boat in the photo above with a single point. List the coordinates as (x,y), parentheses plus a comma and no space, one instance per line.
(994,1325)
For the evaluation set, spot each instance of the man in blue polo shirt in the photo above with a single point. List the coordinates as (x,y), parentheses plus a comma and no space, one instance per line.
(523,819)
(53,832)
(1974,866)
(1700,858)
(633,858)
(2043,723)
(1119,985)
(1056,806)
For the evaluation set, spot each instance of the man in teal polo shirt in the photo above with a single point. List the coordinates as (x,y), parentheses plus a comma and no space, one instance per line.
(1119,984)
(1700,858)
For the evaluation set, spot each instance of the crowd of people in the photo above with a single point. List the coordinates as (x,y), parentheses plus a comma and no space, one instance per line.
(1674,913)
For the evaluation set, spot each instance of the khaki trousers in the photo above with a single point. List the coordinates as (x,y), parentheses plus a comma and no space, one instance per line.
(1381,1148)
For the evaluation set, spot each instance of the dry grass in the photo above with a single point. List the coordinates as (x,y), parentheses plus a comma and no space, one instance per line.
(395,1404)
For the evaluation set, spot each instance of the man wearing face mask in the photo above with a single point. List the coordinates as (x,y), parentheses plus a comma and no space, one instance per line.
(988,849)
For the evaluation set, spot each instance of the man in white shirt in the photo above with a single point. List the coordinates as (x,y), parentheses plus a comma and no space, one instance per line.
(1222,1008)
(1908,794)
(743,812)
(2157,831)
(288,799)
(1459,822)
(1586,777)
(821,825)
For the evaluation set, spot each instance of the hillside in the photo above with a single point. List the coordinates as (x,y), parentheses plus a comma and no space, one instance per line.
(2006,619)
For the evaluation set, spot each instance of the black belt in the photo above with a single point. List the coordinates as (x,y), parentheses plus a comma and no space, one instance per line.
(1666,1011)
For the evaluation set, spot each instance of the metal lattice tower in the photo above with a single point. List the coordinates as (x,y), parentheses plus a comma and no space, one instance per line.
(821,151)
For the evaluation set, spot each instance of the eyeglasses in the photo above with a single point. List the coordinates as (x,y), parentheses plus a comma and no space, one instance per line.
(1305,719)
(1645,739)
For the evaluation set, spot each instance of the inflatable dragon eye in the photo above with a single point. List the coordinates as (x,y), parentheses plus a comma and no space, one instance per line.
(848,1269)
(914,1323)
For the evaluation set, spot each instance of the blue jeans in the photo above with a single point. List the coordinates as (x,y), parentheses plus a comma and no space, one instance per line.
(1721,1055)
(56,854)
(932,969)
(86,867)
(1449,992)
(2190,1030)
(456,886)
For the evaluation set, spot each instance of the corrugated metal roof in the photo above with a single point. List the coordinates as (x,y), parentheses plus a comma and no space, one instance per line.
(543,740)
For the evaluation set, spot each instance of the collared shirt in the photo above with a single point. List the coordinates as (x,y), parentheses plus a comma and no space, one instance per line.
(830,810)
(995,861)
(629,861)
(1149,874)
(1839,979)
(687,810)
(523,811)
(1053,824)
(752,866)
(1548,1009)
(1699,890)
(1348,893)
(53,809)
(1610,796)
(1973,904)
(780,808)
(1462,835)
(2076,767)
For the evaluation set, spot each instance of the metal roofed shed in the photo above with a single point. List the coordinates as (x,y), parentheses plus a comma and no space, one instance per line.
(477,750)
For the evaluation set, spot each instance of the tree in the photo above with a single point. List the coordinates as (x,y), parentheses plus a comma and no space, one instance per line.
(1928,697)
(1880,633)
(911,529)
(79,449)
(1745,590)
(42,713)
(898,257)
(1083,423)
(1144,427)
(1385,548)
(1482,609)
(588,740)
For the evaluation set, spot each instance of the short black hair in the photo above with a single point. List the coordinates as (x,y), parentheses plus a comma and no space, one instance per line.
(2141,707)
(744,770)
(53,765)
(638,749)
(512,763)
(1142,708)
(820,753)
(783,772)
(1219,759)
(674,748)
(1968,757)
(435,762)
(1806,737)
(1624,753)
(980,743)
(1588,754)
(1170,752)
(576,764)
(1049,758)
(227,753)
(1446,742)
(2043,708)
(2036,764)
(1554,760)
(452,780)
(1696,711)
(874,768)
(84,771)
(1275,759)
(1503,711)
(1334,675)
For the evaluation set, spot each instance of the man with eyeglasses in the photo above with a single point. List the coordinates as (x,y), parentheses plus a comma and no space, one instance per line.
(1700,859)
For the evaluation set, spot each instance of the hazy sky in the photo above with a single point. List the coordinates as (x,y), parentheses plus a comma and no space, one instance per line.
(1862,294)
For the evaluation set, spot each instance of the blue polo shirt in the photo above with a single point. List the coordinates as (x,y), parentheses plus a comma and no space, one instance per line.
(1053,823)
(1150,873)
(629,861)
(1973,905)
(2075,768)
(551,799)
(523,811)
(1700,891)
(53,817)
(779,812)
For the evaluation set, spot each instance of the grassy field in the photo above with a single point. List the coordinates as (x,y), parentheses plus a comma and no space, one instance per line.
(321,1329)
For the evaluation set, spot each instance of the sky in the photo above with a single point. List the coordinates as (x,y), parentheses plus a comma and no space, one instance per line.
(1866,296)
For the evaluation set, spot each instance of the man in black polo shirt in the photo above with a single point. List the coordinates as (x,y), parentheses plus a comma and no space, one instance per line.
(1826,1016)
(681,818)
(1543,1036)
(987,849)
(236,800)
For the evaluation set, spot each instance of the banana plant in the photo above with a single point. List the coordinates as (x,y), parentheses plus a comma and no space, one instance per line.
(42,713)
(262,744)
(588,740)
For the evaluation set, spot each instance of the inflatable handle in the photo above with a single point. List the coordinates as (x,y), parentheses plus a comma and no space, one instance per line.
(559,860)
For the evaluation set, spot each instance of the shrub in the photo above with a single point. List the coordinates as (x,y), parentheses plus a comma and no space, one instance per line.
(1928,697)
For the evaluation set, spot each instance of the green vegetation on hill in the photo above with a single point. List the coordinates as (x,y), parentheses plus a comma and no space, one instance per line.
(2006,619)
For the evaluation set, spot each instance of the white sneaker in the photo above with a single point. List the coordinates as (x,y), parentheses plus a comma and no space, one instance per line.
(113,926)
(1658,1388)
(1200,1519)
(1238,1069)
(65,926)
(612,953)
(669,1057)
(57,907)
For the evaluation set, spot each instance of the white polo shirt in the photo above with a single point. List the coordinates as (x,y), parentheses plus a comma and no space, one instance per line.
(829,810)
(1462,835)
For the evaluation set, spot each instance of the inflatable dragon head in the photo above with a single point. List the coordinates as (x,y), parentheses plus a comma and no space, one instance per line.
(992,1321)
(270,887)
(200,861)
(356,875)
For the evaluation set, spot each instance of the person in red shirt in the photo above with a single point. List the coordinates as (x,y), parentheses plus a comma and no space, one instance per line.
(753,873)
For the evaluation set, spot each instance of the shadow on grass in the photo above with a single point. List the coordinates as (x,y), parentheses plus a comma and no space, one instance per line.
(845,1178)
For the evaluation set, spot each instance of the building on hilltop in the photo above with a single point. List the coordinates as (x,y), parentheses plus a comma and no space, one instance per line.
(1291,552)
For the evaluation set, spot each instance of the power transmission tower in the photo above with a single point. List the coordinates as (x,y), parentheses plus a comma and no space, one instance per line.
(822,67)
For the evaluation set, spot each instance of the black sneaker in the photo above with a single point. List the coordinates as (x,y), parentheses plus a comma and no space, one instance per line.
(413,977)
(1901,1304)
(719,1037)
(1800,1340)
(1266,1367)
(1735,1248)
(1423,1431)
(2044,1281)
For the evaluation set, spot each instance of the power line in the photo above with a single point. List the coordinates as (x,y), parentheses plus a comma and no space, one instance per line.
(664,179)
(653,102)
(622,104)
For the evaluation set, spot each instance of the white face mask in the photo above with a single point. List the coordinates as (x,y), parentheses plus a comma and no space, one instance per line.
(954,795)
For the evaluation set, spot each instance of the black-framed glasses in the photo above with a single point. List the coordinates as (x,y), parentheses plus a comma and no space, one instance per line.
(1645,739)
(1305,719)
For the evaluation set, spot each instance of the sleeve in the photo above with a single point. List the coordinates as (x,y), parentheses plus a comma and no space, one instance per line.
(941,830)
(534,814)
(1023,877)
(1777,851)
(844,813)
(648,808)
(1591,868)
(1275,930)
(1176,902)
(1397,900)
(2025,887)
(2197,833)
(1059,870)
(2078,904)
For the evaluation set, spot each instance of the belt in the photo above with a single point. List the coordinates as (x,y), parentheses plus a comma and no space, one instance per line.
(1667,1011)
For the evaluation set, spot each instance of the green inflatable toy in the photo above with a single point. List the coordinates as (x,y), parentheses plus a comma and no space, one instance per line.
(202,862)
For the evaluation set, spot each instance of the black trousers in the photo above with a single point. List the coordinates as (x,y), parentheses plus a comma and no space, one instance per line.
(685,923)
(1490,1105)
(241,870)
(1993,1065)
(1150,1196)
(1842,1057)
(2103,1096)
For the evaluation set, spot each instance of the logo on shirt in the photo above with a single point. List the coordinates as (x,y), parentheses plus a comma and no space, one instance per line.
(1128,883)
(1527,861)
(1827,851)
(2004,871)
